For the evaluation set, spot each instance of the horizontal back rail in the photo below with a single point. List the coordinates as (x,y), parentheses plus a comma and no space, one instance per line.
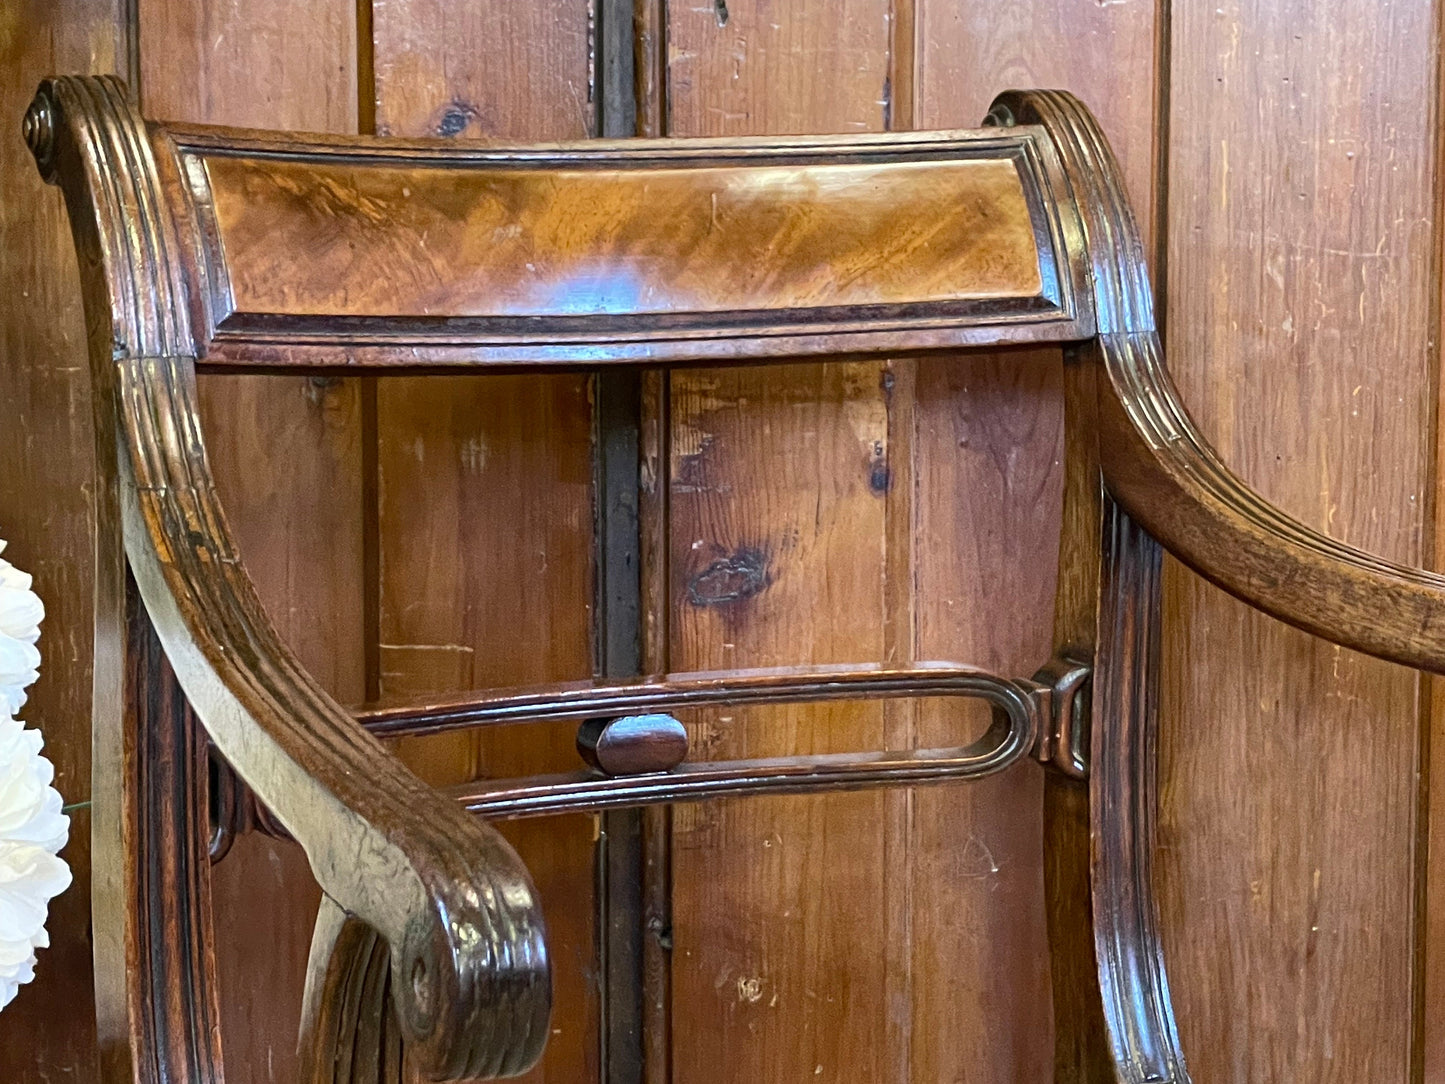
(575,792)
(319,253)
(651,767)
(680,692)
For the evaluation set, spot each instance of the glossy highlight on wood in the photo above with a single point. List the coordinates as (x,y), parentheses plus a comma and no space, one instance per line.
(633,744)
(601,252)
(597,234)
(430,947)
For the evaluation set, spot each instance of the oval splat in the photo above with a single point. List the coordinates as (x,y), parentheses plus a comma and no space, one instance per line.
(633,744)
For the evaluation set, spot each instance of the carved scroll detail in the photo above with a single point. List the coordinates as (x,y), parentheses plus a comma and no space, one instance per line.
(1159,466)
(234,811)
(349,1034)
(449,897)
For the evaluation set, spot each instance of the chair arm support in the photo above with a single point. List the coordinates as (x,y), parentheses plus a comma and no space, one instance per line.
(451,898)
(456,907)
(1159,467)
(1162,470)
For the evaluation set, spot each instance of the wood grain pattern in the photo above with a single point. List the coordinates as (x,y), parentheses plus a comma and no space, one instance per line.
(987,489)
(348,1007)
(45,504)
(287,456)
(482,70)
(751,67)
(989,469)
(1021,698)
(402,254)
(727,585)
(141,291)
(766,983)
(485,501)
(1429,1057)
(1080,1034)
(164,755)
(450,897)
(777,510)
(1104,53)
(346,238)
(1299,209)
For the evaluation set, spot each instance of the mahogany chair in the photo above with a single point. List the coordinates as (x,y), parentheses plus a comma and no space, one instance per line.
(213,250)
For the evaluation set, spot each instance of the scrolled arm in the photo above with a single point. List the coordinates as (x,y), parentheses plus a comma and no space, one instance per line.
(453,902)
(1161,469)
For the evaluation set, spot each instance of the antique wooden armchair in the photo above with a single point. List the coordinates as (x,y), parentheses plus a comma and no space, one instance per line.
(215,250)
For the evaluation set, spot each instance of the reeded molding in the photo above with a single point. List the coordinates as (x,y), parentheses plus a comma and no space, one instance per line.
(448,895)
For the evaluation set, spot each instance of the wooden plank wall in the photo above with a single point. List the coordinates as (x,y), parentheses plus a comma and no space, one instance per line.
(1302,296)
(46,465)
(484,523)
(839,938)
(412,536)
(791,942)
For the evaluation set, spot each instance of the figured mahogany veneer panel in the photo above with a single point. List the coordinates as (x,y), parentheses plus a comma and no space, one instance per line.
(303,239)
(330,252)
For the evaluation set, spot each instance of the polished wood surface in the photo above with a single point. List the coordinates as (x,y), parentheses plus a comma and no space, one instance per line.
(681,691)
(1137,1019)
(199,62)
(165,918)
(1301,613)
(307,238)
(668,243)
(1024,711)
(237,673)
(633,745)
(483,496)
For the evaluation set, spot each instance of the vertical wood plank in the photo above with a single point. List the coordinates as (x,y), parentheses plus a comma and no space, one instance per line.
(1301,200)
(755,67)
(791,950)
(1430,835)
(778,556)
(1104,53)
(485,483)
(986,511)
(780,905)
(46,472)
(286,453)
(987,452)
(483,69)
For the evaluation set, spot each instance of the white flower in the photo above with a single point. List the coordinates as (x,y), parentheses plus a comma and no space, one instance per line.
(32,827)
(20,615)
